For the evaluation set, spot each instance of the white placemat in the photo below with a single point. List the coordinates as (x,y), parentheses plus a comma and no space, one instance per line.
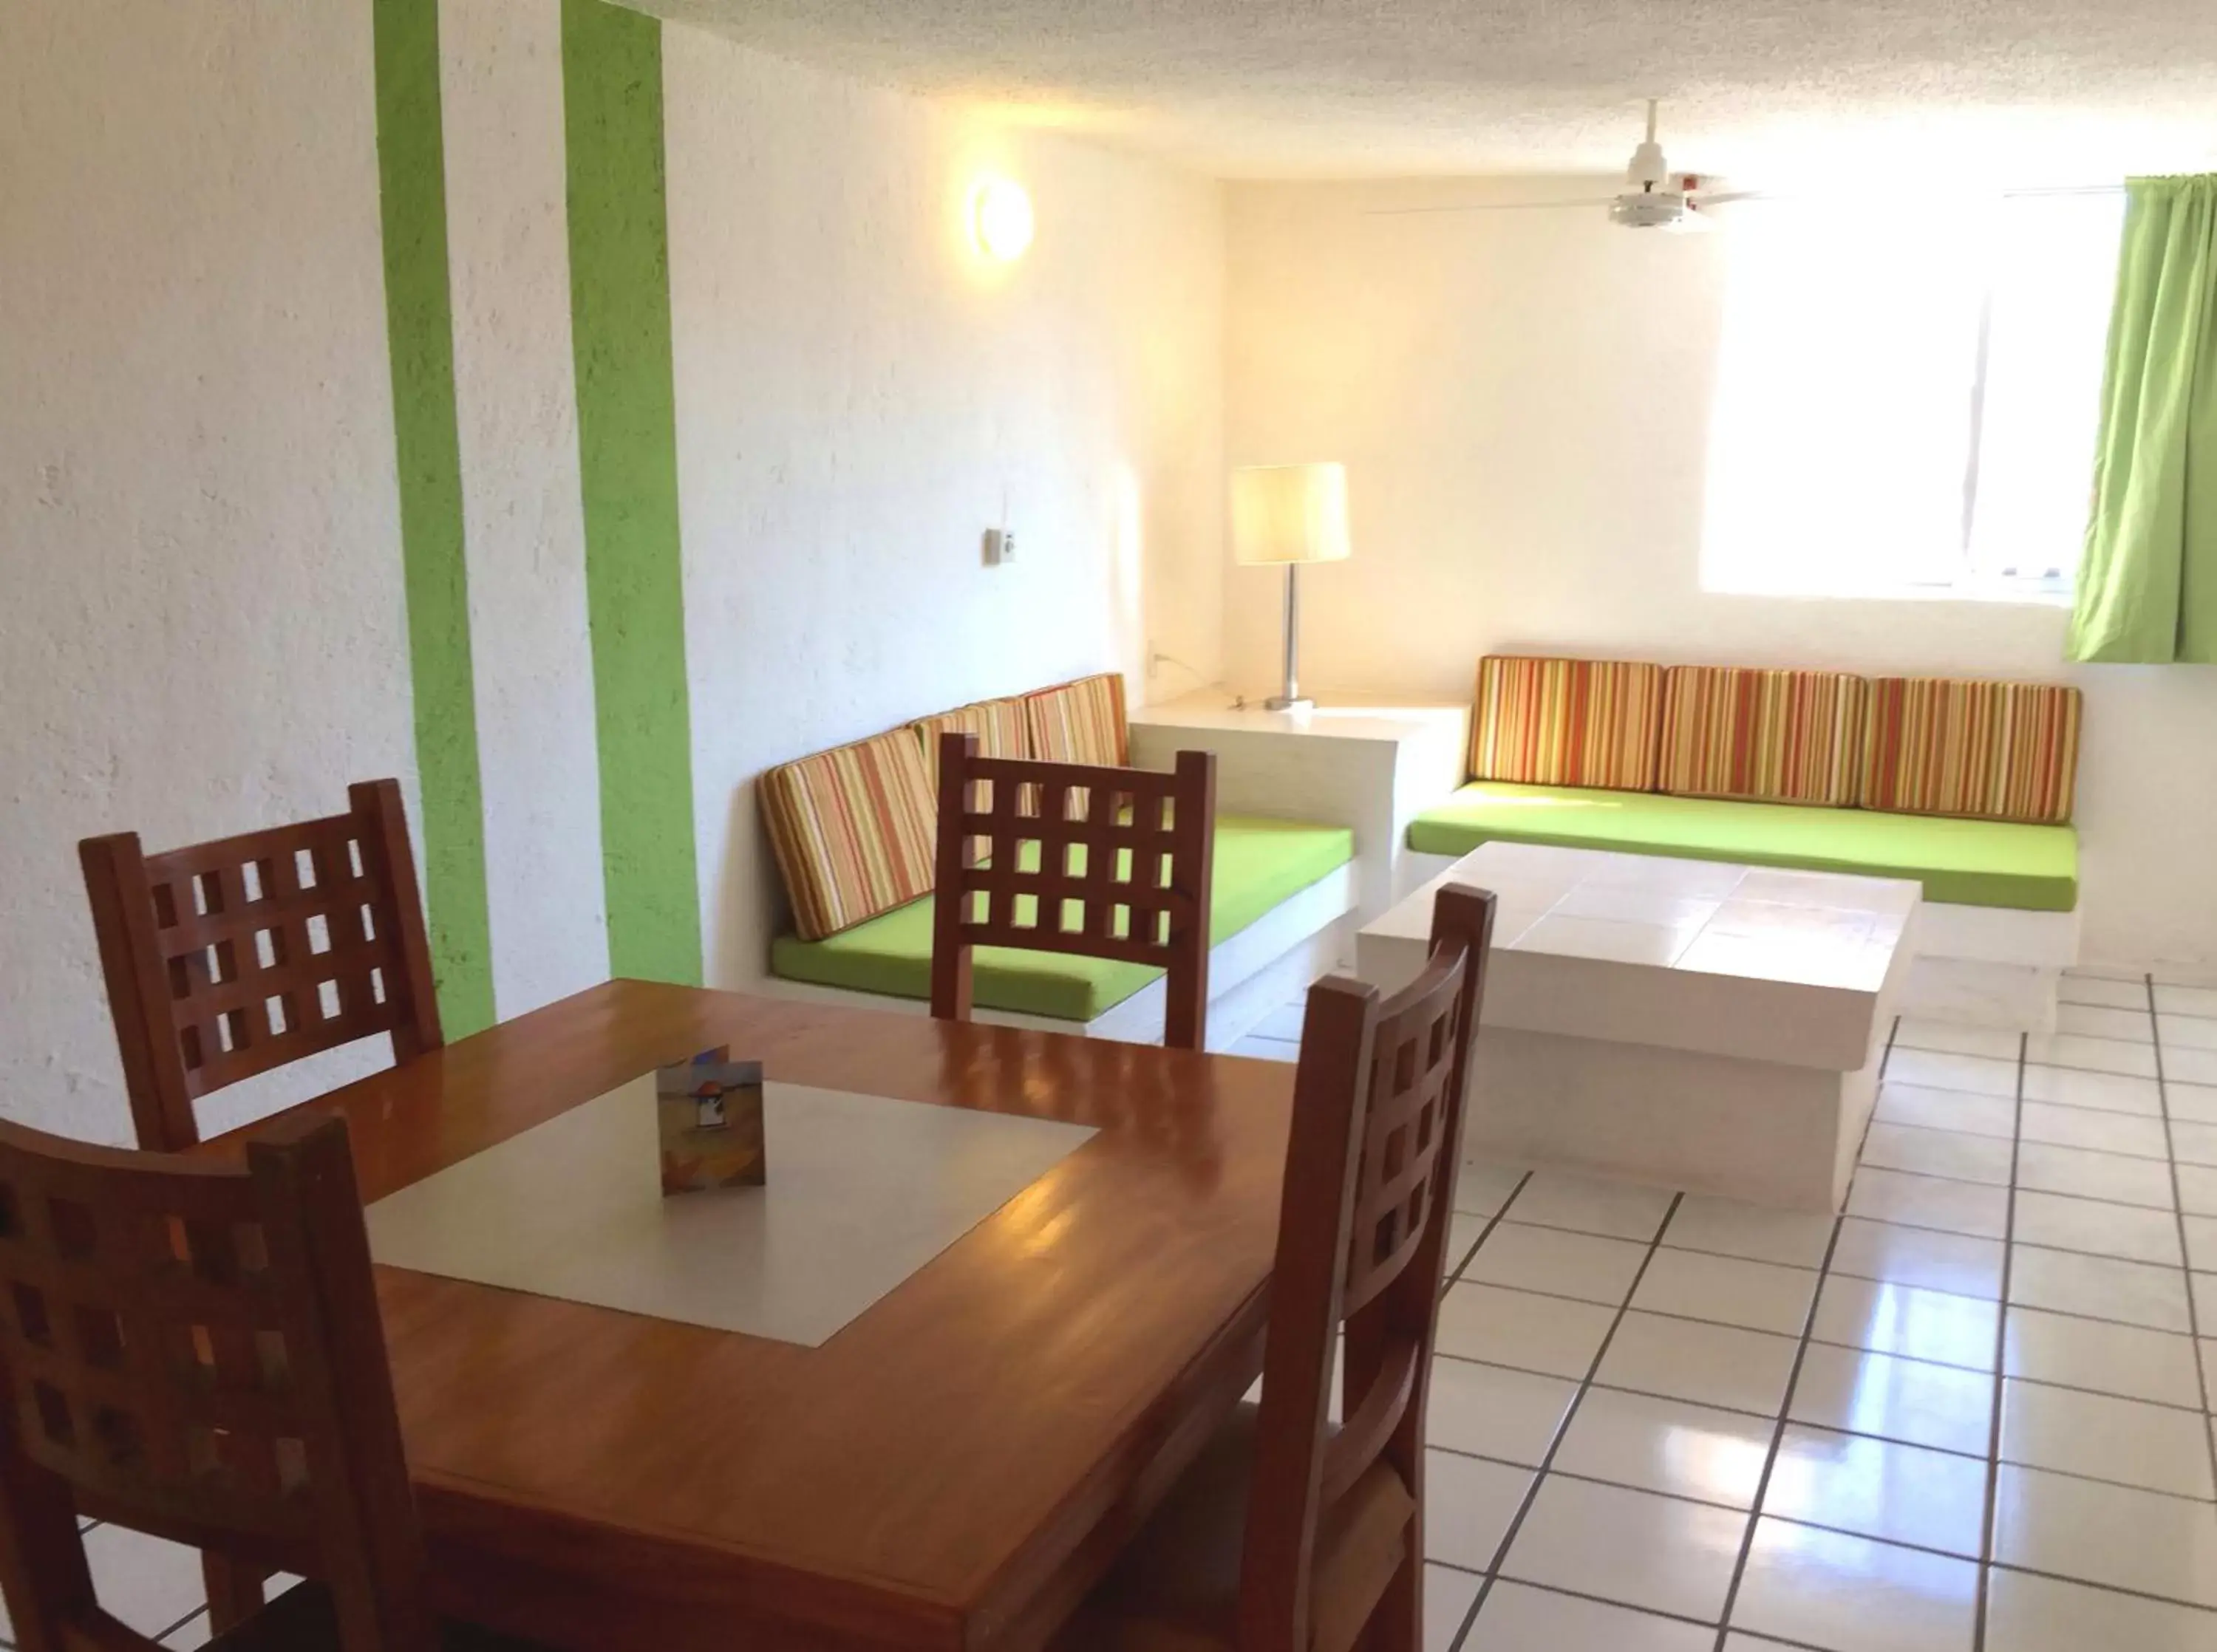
(864,1191)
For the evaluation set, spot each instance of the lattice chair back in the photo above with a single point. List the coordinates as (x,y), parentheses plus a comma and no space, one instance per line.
(1110,863)
(193,1349)
(227,959)
(1370,1169)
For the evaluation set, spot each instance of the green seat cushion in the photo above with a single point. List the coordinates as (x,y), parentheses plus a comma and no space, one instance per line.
(1962,862)
(1259,865)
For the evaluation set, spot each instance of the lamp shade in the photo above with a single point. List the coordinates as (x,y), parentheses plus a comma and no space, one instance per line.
(1289,513)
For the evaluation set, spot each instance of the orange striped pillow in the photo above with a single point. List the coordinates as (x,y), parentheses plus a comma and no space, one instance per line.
(1993,750)
(854,831)
(1773,737)
(1545,722)
(1080,722)
(1001,726)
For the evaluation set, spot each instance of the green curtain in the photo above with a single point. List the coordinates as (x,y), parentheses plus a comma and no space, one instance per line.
(2147,588)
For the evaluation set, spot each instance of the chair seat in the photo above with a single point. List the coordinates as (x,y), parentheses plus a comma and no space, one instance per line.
(1176,1588)
(302,1619)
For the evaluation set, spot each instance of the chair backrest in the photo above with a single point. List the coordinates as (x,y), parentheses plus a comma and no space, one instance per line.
(227,959)
(193,1349)
(1378,1106)
(1069,857)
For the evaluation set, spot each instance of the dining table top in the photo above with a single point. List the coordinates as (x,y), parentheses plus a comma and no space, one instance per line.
(951,1468)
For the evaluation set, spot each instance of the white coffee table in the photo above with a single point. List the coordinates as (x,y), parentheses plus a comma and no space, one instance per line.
(1686,1023)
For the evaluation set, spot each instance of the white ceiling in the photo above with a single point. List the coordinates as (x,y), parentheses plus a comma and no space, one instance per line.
(2021,90)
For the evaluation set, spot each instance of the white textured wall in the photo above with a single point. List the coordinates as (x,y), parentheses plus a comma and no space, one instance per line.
(857,396)
(1522,399)
(516,405)
(201,626)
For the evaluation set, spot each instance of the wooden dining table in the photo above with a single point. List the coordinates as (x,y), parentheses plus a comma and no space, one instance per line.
(953,1469)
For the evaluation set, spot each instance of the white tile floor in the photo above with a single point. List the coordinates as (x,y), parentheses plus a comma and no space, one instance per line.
(151,1584)
(1971,1415)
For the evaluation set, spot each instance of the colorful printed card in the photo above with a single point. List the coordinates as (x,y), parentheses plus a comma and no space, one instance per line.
(711,1114)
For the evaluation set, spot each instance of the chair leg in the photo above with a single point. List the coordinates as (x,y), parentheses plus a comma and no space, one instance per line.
(234,1591)
(1396,1622)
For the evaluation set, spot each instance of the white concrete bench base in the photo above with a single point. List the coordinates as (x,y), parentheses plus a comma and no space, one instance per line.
(1267,964)
(1685,1023)
(1767,1132)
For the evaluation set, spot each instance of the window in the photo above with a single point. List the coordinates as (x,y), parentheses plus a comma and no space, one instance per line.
(1908,395)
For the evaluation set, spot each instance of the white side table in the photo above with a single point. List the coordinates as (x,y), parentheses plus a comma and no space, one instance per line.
(1372,768)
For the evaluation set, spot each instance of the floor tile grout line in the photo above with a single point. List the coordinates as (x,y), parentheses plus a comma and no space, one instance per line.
(2037,1101)
(2053,1192)
(1990,1096)
(1638,1612)
(2178,1210)
(1977,1136)
(181,1622)
(1691,1250)
(1754,1261)
(1880,1118)
(1785,1413)
(2205,1613)
(1859,1433)
(1501,1549)
(1787,1642)
(2060,1066)
(2032,1141)
(1588,1477)
(1805,1424)
(1486,1233)
(1991,1512)
(1889,1222)
(1582,1594)
(1930,1290)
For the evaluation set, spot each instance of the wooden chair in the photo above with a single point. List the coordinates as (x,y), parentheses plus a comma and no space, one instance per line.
(1288,1535)
(227,959)
(1069,858)
(193,1349)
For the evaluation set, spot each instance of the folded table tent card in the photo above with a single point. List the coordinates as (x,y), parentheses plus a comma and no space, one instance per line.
(710,1114)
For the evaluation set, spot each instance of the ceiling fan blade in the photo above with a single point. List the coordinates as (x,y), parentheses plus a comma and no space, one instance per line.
(1488,207)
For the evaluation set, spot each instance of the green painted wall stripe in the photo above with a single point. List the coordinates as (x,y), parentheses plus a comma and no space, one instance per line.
(419,322)
(628,454)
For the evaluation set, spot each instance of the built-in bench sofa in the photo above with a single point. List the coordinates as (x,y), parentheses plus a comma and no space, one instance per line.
(1964,786)
(854,831)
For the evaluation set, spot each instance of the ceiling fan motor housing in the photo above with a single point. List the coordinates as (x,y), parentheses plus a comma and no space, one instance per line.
(1648,209)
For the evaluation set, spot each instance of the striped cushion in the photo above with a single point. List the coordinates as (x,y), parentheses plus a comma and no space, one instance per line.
(1000,725)
(854,831)
(1080,722)
(1567,722)
(1991,750)
(1773,737)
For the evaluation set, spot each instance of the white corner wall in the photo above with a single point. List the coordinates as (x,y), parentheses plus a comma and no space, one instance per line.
(860,396)
(202,628)
(1522,399)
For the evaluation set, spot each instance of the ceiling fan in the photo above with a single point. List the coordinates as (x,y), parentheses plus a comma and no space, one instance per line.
(1659,199)
(1662,200)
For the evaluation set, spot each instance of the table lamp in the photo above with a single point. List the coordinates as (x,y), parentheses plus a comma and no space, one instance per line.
(1289,513)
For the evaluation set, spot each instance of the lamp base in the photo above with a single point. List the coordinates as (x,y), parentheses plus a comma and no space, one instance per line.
(1280,703)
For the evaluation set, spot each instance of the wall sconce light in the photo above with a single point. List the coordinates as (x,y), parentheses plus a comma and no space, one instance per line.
(1001,218)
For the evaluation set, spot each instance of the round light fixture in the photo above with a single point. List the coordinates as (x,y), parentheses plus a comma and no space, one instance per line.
(1001,215)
